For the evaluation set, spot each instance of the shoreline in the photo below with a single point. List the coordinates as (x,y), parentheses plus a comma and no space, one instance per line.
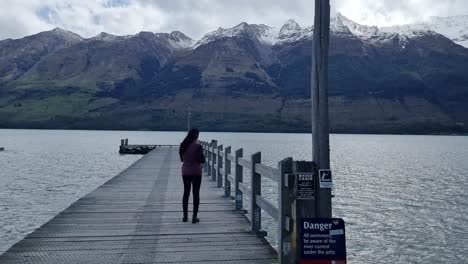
(245,131)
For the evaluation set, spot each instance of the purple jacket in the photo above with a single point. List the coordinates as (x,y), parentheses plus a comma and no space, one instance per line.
(192,160)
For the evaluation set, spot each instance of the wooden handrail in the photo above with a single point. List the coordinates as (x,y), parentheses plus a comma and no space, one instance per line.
(228,170)
(266,171)
(244,189)
(244,163)
(268,207)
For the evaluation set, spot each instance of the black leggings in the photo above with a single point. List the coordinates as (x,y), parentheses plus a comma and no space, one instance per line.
(188,182)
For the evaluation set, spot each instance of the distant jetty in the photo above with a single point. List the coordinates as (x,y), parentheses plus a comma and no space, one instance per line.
(2,149)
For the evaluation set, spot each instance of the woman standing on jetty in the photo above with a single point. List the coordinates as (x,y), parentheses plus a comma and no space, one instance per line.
(191,154)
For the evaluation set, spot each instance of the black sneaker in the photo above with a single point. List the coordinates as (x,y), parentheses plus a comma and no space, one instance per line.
(195,220)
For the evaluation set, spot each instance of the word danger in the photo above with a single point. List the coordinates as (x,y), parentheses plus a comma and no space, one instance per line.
(315,226)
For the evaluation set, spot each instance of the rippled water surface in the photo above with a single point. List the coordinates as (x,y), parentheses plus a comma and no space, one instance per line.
(404,198)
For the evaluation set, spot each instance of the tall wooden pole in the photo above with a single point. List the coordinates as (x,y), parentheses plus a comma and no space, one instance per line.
(320,122)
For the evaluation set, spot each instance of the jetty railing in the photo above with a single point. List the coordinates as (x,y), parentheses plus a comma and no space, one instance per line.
(226,167)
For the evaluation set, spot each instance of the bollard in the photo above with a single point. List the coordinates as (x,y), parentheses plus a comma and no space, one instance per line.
(126,142)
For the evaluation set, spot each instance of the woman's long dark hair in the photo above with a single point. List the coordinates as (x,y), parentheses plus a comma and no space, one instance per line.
(189,139)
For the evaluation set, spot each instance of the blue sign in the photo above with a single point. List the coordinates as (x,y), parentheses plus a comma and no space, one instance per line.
(323,241)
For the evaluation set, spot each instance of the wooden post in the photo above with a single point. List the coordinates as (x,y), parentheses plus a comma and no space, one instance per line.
(122,142)
(256,187)
(214,160)
(203,143)
(208,156)
(219,165)
(239,178)
(126,142)
(302,208)
(319,101)
(227,171)
(285,199)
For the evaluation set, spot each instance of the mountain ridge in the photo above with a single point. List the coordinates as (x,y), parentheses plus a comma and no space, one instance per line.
(250,77)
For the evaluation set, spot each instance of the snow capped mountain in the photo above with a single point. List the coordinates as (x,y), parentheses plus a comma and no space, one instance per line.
(177,39)
(289,28)
(342,24)
(454,28)
(289,32)
(251,30)
(103,36)
(65,34)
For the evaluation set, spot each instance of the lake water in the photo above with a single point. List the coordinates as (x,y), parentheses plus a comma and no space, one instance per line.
(404,198)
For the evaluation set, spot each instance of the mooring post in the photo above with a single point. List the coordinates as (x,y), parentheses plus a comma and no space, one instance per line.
(122,142)
(214,160)
(256,187)
(227,171)
(285,200)
(239,178)
(126,142)
(219,178)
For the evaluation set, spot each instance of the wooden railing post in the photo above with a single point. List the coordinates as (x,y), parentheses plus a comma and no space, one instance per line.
(227,171)
(214,159)
(208,156)
(239,178)
(205,153)
(302,208)
(219,165)
(256,187)
(285,199)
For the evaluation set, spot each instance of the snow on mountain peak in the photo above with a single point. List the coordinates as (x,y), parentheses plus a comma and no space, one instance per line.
(68,35)
(178,39)
(340,23)
(103,36)
(252,30)
(454,28)
(290,27)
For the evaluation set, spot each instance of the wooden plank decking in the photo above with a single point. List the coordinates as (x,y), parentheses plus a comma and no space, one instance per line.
(136,218)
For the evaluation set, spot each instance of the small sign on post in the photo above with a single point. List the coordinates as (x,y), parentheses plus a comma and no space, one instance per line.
(326,180)
(305,188)
(323,241)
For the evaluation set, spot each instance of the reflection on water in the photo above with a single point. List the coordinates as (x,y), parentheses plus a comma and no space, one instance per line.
(403,198)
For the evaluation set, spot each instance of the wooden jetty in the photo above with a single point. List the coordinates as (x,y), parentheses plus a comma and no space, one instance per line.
(125,148)
(136,218)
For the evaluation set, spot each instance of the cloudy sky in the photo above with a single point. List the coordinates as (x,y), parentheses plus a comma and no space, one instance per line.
(19,18)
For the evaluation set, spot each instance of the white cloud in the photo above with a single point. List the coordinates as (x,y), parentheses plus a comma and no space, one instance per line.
(394,12)
(196,17)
